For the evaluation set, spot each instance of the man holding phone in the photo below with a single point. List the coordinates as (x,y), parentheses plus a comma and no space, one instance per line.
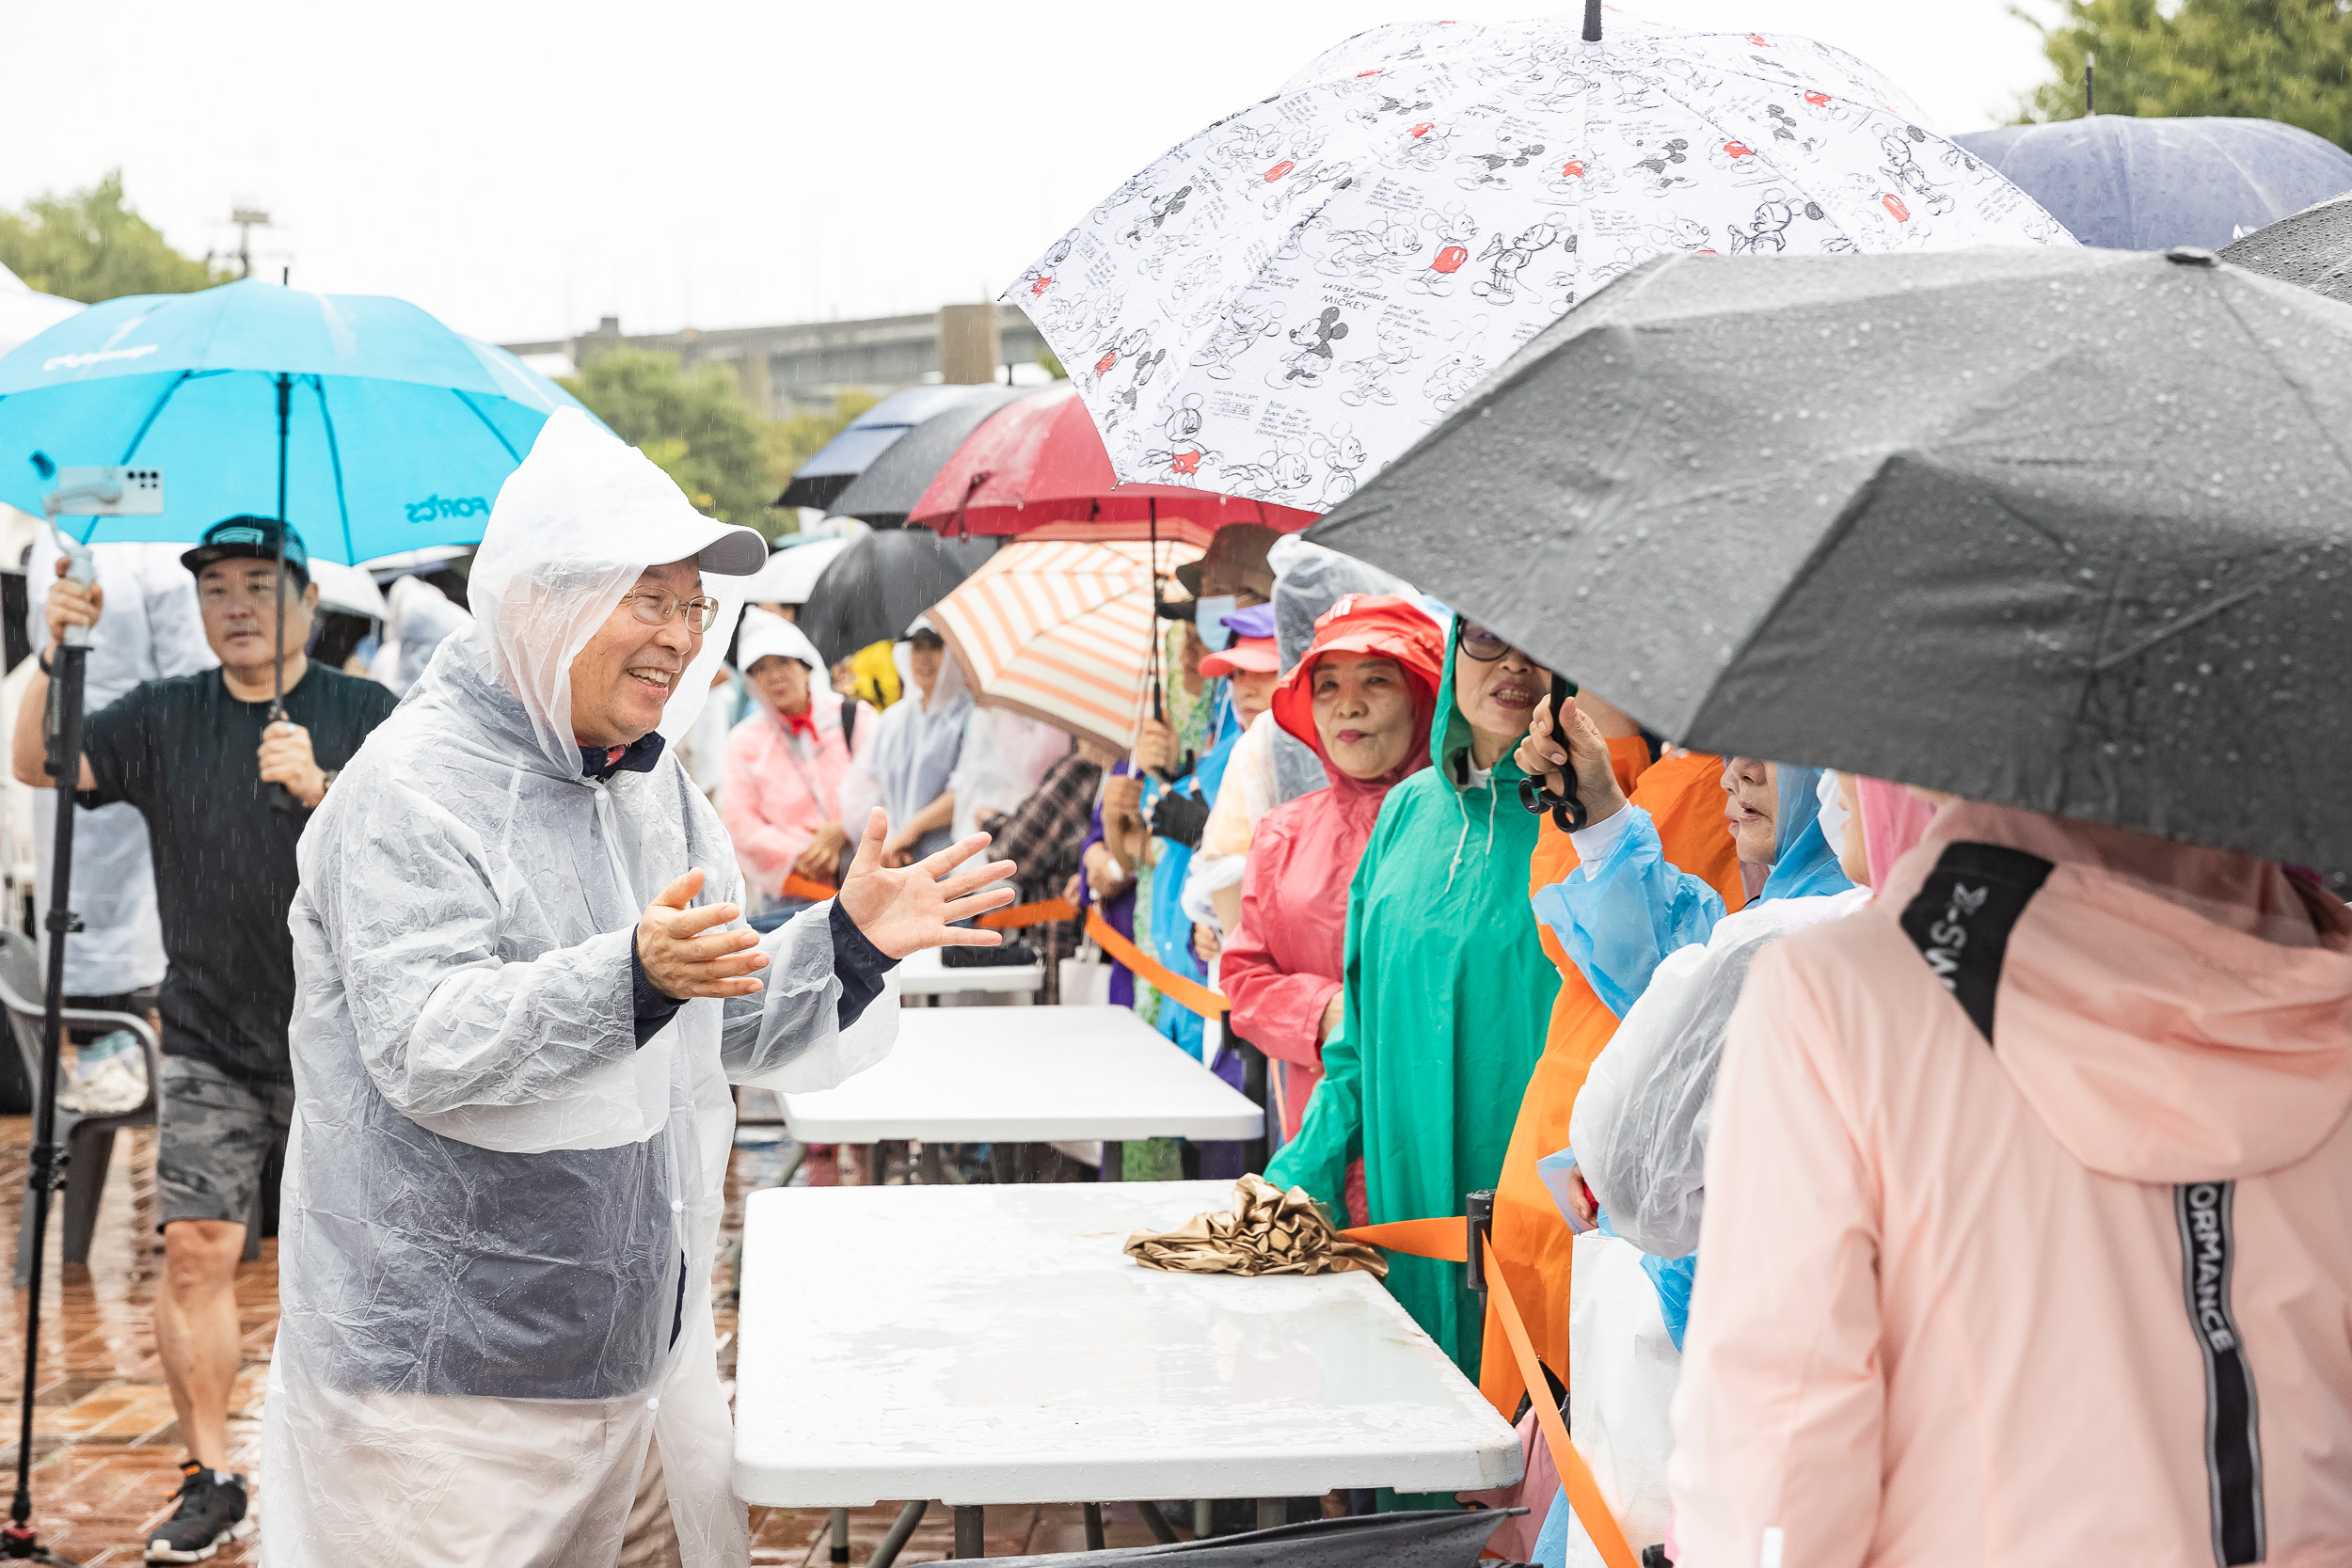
(225,791)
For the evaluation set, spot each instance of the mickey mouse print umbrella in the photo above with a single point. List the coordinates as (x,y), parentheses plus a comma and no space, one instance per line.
(1280,305)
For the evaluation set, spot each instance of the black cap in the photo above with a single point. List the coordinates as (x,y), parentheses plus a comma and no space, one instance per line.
(250,539)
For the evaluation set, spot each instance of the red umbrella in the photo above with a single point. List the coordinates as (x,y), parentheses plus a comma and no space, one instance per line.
(1038,469)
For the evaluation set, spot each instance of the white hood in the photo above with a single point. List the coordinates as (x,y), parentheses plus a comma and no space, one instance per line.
(766,633)
(572,528)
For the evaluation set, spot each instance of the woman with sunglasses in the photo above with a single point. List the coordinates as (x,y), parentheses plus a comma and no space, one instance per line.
(1445,989)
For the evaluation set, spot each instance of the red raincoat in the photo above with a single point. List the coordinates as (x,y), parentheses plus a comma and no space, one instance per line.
(1281,964)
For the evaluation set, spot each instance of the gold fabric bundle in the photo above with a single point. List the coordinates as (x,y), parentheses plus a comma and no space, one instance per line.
(1270,1231)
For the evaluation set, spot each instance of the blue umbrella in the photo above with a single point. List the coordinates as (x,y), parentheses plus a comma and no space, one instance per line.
(2125,184)
(820,480)
(395,433)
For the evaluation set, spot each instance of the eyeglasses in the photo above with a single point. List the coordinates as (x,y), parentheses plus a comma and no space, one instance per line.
(654,609)
(1481,644)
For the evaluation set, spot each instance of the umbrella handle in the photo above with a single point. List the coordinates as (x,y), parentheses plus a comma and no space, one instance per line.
(1592,21)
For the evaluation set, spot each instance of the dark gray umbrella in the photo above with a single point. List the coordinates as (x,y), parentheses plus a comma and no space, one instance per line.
(833,465)
(893,482)
(2313,249)
(1425,1540)
(875,588)
(2067,529)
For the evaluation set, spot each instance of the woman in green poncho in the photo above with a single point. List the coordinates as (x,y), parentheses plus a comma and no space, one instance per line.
(1448,990)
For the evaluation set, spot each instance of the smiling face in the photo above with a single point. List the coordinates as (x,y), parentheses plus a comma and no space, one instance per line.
(624,678)
(1498,696)
(1751,807)
(239,597)
(783,681)
(1364,713)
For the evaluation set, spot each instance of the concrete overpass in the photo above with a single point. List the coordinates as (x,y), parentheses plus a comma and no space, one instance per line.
(805,364)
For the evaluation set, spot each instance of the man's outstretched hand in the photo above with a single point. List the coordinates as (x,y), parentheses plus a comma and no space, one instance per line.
(684,957)
(903,912)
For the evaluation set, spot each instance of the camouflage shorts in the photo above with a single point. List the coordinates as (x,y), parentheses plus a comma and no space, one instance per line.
(214,1135)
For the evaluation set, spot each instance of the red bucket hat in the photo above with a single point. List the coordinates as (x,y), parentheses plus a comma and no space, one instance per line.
(1385,625)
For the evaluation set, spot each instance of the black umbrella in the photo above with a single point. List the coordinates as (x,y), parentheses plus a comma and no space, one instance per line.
(2067,529)
(893,482)
(1447,1539)
(874,589)
(2313,249)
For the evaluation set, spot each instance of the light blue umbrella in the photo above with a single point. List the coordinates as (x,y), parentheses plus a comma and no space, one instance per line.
(397,431)
(2124,184)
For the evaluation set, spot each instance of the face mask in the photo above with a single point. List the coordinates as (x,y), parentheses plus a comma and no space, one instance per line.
(1208,618)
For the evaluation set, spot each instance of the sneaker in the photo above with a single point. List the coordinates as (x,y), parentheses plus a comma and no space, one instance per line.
(106,1086)
(212,1513)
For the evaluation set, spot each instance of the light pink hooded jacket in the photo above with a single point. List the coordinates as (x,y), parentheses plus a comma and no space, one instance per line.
(2079,1295)
(779,787)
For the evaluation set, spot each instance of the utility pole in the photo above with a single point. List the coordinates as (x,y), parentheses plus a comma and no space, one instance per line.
(246,219)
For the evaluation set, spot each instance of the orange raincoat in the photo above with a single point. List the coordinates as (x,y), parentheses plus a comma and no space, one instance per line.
(1684,794)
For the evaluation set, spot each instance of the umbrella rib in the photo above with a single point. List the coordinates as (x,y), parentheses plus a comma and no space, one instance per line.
(148,423)
(487,423)
(2293,381)
(335,461)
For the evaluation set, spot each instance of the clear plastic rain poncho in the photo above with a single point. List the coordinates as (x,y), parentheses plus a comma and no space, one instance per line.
(500,1212)
(1640,1125)
(919,741)
(419,619)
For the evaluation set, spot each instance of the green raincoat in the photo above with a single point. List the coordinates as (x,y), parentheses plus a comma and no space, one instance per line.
(1449,995)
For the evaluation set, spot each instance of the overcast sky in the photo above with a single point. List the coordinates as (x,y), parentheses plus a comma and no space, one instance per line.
(521,170)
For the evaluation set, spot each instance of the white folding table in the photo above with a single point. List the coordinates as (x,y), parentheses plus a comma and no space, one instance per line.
(923,975)
(1001,1349)
(1025,1075)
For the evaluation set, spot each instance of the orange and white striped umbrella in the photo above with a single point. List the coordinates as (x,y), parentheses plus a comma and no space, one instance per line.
(1061,631)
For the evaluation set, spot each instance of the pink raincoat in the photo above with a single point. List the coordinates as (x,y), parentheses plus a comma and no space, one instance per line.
(1281,965)
(783,781)
(2077,1293)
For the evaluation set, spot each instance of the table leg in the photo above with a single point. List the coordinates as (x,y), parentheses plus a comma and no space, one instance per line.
(1114,1159)
(971,1533)
(900,1528)
(1094,1526)
(1273,1513)
(840,1522)
(1203,1518)
(1156,1522)
(928,1167)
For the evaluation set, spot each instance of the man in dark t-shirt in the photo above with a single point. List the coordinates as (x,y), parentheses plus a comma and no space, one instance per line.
(226,793)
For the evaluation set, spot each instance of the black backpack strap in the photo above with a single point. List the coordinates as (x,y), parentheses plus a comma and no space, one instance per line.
(1964,915)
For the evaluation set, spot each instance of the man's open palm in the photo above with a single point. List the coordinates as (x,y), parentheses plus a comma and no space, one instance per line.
(906,910)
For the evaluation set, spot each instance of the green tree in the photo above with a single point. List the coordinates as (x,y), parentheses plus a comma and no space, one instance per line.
(2287,60)
(695,426)
(89,245)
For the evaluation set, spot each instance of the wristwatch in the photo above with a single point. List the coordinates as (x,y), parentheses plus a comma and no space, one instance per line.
(327,781)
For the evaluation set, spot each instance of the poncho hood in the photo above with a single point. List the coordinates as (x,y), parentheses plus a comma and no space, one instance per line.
(574,527)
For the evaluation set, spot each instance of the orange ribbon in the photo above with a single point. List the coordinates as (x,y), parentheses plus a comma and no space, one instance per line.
(1187,994)
(798,886)
(1448,1241)
(1019,916)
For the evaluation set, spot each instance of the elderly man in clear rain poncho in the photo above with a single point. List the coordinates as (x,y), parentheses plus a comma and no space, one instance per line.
(524,988)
